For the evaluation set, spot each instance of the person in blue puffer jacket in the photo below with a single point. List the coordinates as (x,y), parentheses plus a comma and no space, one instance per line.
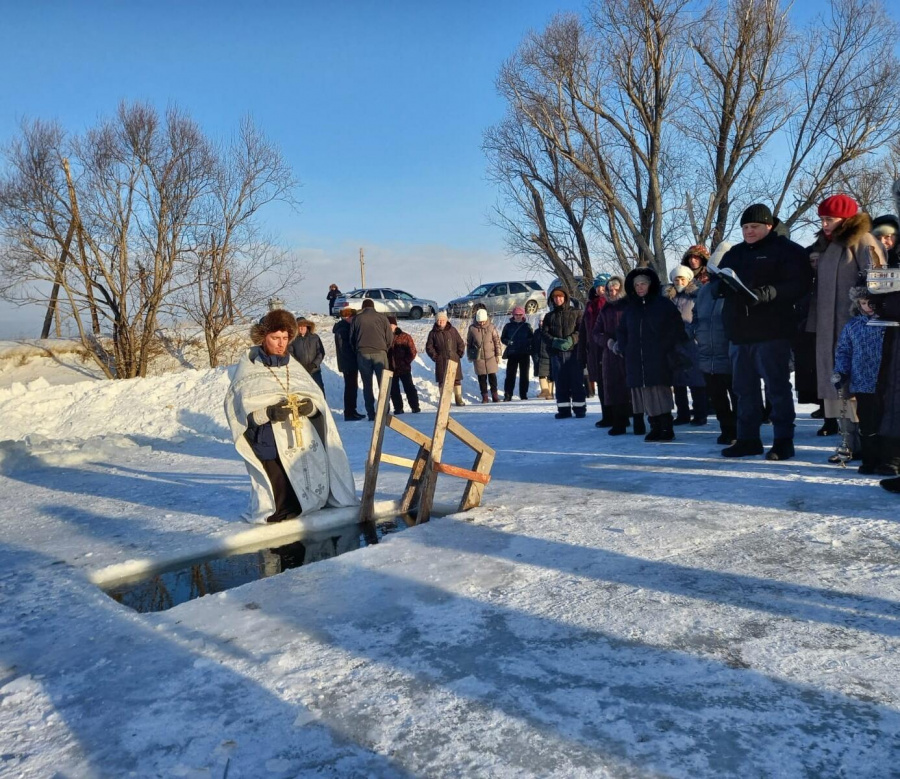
(857,360)
(708,331)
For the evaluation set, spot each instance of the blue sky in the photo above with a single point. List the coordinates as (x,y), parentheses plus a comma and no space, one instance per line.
(378,106)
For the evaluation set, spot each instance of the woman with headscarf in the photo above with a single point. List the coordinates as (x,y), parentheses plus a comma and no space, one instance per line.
(445,345)
(616,396)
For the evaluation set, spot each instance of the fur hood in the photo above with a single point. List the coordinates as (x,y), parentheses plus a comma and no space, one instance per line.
(850,231)
(621,289)
(273,322)
(857,294)
(310,326)
(655,286)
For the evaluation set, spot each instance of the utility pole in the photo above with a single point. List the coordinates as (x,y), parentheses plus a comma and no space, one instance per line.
(362,268)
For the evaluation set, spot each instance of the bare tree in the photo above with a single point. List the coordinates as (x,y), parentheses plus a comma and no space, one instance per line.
(739,101)
(844,98)
(601,99)
(140,212)
(229,269)
(546,205)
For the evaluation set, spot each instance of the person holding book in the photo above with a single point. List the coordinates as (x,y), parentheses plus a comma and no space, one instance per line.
(760,324)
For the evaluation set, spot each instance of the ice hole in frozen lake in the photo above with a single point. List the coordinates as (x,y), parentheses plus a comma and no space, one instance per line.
(206,576)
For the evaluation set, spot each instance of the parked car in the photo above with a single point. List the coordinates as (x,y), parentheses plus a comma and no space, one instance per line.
(387,300)
(501,297)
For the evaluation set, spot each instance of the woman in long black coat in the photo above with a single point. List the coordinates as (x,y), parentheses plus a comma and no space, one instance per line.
(650,329)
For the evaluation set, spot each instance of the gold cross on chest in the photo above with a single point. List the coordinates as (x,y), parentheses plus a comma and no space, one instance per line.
(293,402)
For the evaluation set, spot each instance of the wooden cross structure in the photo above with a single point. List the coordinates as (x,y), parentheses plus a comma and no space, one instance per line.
(418,496)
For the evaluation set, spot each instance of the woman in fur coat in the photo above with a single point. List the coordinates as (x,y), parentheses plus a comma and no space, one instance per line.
(847,250)
(617,398)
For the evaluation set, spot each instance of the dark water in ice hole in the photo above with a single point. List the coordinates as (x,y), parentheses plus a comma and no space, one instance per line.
(205,577)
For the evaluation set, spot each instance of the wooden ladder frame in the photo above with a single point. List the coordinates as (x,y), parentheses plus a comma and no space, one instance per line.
(424,468)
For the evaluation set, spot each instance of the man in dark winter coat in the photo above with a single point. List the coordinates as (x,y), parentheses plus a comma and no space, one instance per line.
(778,273)
(346,361)
(400,357)
(371,337)
(560,327)
(307,349)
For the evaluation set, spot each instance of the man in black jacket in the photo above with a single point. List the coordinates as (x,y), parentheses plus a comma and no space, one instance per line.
(346,361)
(760,327)
(560,328)
(371,336)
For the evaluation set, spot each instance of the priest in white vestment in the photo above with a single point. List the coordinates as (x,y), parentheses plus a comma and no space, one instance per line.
(284,430)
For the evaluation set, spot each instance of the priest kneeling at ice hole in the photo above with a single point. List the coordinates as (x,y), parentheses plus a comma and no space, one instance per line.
(283,429)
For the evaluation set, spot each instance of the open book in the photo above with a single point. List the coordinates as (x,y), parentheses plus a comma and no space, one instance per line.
(731,280)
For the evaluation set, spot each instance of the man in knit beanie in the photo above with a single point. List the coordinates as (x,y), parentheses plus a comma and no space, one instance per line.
(760,331)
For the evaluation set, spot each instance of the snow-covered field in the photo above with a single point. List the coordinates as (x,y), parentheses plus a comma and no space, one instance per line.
(614,609)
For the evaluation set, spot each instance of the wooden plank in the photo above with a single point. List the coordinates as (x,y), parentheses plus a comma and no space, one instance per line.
(462,473)
(468,438)
(429,475)
(393,459)
(471,496)
(367,503)
(410,497)
(399,426)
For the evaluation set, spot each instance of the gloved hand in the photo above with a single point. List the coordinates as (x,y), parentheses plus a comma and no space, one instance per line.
(765,294)
(279,412)
(306,408)
(562,344)
(840,380)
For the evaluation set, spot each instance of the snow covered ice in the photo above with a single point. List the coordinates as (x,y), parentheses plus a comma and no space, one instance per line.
(614,609)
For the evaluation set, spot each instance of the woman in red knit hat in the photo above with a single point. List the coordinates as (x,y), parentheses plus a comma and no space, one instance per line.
(846,249)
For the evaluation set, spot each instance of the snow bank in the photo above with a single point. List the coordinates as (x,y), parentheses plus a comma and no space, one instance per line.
(163,407)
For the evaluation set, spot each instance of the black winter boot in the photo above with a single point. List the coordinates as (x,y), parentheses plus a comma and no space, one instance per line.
(819,413)
(639,427)
(666,433)
(728,435)
(682,419)
(869,452)
(891,485)
(782,449)
(580,411)
(654,433)
(890,457)
(744,447)
(564,412)
(606,419)
(829,428)
(620,424)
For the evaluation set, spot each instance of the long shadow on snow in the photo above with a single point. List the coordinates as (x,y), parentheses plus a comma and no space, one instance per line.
(574,698)
(172,491)
(581,456)
(826,606)
(152,701)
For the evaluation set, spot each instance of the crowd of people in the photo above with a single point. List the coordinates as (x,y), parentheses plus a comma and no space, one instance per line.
(723,337)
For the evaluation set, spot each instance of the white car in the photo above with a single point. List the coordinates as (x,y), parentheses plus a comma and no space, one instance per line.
(387,300)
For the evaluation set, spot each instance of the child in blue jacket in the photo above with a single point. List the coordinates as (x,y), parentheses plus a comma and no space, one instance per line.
(857,359)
